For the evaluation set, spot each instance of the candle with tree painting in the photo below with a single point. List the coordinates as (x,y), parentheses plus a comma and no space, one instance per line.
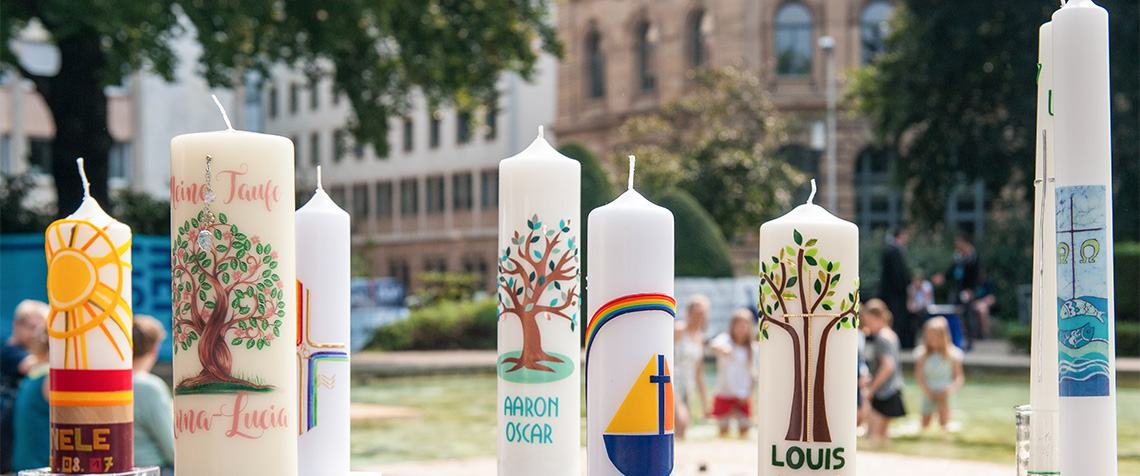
(1084,249)
(234,294)
(89,339)
(809,306)
(539,325)
(323,275)
(629,340)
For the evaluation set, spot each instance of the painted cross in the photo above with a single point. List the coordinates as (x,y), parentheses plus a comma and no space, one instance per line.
(309,354)
(660,379)
(1067,252)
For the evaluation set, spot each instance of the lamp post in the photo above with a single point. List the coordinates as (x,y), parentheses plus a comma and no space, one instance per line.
(827,44)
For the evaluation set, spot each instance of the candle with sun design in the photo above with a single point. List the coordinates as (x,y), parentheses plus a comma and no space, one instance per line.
(234,298)
(89,329)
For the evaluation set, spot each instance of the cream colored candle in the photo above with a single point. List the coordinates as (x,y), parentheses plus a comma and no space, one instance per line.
(89,329)
(1085,302)
(629,340)
(234,280)
(539,326)
(323,274)
(809,294)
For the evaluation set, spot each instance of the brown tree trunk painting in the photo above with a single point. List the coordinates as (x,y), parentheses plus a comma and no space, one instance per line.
(535,262)
(225,295)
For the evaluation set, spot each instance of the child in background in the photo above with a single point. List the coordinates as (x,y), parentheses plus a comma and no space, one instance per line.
(736,373)
(882,355)
(154,409)
(919,294)
(31,440)
(938,370)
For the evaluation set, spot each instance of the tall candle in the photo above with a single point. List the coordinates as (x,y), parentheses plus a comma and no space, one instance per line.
(809,295)
(323,276)
(539,328)
(629,340)
(89,339)
(234,294)
(1085,302)
(1043,450)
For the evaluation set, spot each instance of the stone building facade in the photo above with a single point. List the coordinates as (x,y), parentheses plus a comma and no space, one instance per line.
(629,57)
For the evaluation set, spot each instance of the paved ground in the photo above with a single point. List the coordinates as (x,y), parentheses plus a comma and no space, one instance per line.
(725,458)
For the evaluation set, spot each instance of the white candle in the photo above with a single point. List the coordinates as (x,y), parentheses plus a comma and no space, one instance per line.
(1043,451)
(235,328)
(538,343)
(629,340)
(809,293)
(1087,367)
(323,276)
(89,329)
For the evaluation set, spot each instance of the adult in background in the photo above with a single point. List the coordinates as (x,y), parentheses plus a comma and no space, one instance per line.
(893,282)
(688,358)
(31,422)
(963,279)
(16,360)
(154,409)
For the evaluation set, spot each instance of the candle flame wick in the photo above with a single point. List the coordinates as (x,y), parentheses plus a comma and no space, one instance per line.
(540,132)
(225,116)
(83,177)
(631,166)
(812,196)
(319,185)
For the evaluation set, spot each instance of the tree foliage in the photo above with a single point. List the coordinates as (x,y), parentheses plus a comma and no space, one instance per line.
(377,53)
(699,248)
(718,143)
(955,96)
(597,190)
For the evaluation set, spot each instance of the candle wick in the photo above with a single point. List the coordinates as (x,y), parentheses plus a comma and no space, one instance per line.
(319,186)
(83,177)
(540,132)
(812,196)
(225,116)
(631,162)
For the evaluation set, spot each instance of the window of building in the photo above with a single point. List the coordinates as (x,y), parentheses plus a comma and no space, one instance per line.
(478,266)
(492,124)
(646,46)
(874,29)
(489,185)
(409,134)
(294,97)
(595,66)
(433,141)
(409,197)
(119,161)
(272,100)
(461,191)
(315,149)
(804,159)
(435,263)
(384,199)
(6,154)
(435,202)
(700,35)
(401,272)
(360,204)
(339,146)
(463,127)
(794,45)
(879,205)
(358,148)
(337,194)
(39,155)
(314,93)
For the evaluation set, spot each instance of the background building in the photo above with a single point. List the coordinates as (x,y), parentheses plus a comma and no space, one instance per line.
(431,204)
(630,57)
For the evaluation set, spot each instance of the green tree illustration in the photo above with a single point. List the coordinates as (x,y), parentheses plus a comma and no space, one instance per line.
(784,286)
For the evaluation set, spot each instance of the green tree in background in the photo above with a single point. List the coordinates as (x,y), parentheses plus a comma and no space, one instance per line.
(719,143)
(955,96)
(700,249)
(451,50)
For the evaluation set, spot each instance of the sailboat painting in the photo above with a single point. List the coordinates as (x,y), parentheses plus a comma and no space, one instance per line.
(639,438)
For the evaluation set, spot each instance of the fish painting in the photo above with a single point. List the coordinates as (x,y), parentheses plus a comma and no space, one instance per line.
(1077,338)
(1080,307)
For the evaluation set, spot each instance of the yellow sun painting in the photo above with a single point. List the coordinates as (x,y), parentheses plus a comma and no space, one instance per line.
(87,277)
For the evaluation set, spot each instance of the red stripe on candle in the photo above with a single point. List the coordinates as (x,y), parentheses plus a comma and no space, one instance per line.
(73,380)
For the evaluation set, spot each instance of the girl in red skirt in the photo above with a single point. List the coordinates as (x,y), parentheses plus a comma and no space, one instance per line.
(736,373)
